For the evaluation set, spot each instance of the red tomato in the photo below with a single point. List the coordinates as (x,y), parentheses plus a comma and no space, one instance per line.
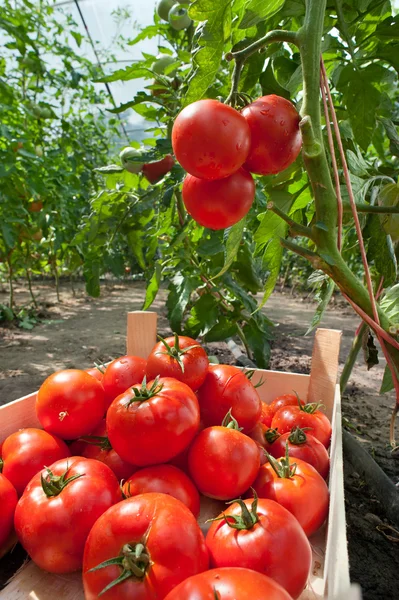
(275,136)
(303,446)
(226,387)
(229,584)
(223,462)
(298,487)
(210,140)
(283,401)
(164,479)
(152,535)
(59,507)
(221,203)
(308,415)
(70,403)
(151,424)
(154,171)
(35,206)
(179,357)
(8,502)
(96,373)
(264,436)
(27,452)
(263,536)
(266,415)
(121,374)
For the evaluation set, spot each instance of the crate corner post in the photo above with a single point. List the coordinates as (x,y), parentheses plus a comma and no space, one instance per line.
(141,332)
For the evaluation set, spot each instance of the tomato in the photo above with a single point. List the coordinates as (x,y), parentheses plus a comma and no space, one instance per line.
(229,584)
(35,206)
(221,203)
(303,446)
(154,171)
(210,140)
(130,159)
(179,357)
(264,436)
(261,535)
(227,387)
(305,416)
(121,374)
(162,63)
(164,479)
(157,543)
(152,423)
(97,373)
(283,401)
(178,18)
(97,445)
(59,507)
(266,415)
(163,8)
(298,487)
(223,462)
(275,136)
(70,403)
(8,502)
(28,451)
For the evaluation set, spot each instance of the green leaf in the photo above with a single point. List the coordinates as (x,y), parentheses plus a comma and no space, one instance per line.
(234,237)
(392,134)
(135,240)
(272,262)
(134,72)
(380,249)
(390,303)
(109,169)
(387,382)
(6,313)
(323,297)
(270,85)
(209,246)
(258,338)
(77,37)
(91,272)
(203,316)
(153,286)
(245,269)
(180,289)
(223,329)
(389,196)
(357,164)
(259,10)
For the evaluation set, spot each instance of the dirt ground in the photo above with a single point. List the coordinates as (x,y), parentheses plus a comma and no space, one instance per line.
(81,330)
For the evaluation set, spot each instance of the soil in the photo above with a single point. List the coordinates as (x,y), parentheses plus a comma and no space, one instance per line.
(81,330)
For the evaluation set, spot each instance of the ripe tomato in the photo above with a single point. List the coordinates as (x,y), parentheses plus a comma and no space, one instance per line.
(59,507)
(223,462)
(97,445)
(70,403)
(156,543)
(283,401)
(210,140)
(264,436)
(221,203)
(298,487)
(152,423)
(303,446)
(266,415)
(305,416)
(226,387)
(179,357)
(35,206)
(275,136)
(96,373)
(121,374)
(8,502)
(28,451)
(164,479)
(263,536)
(154,171)
(229,584)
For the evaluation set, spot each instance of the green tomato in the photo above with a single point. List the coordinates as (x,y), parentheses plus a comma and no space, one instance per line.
(162,62)
(130,160)
(178,17)
(39,151)
(163,8)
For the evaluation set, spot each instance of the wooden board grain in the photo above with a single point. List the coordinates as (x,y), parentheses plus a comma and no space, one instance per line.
(141,332)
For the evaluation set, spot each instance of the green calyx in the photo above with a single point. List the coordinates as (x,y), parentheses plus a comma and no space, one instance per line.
(271,435)
(54,484)
(298,435)
(248,517)
(175,351)
(216,595)
(134,561)
(97,440)
(282,466)
(311,408)
(249,375)
(142,393)
(230,422)
(1,465)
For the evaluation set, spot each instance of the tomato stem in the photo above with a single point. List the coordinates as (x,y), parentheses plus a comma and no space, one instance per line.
(298,435)
(142,393)
(230,422)
(54,484)
(282,466)
(97,440)
(248,517)
(271,435)
(175,351)
(134,561)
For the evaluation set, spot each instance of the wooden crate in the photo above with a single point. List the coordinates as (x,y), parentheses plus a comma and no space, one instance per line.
(330,574)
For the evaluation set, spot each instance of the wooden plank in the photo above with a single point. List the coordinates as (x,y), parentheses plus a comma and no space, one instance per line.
(277,383)
(141,332)
(31,583)
(324,370)
(18,414)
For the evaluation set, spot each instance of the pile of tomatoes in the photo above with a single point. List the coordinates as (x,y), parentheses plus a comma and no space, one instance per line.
(112,483)
(220,147)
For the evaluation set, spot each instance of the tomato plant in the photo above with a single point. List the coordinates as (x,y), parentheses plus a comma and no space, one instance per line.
(304,446)
(121,374)
(307,415)
(8,502)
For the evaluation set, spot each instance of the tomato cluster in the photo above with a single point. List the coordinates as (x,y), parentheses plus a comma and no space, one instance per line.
(220,147)
(112,484)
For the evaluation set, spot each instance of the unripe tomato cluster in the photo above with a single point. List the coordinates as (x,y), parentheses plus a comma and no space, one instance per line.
(220,147)
(175,12)
(113,482)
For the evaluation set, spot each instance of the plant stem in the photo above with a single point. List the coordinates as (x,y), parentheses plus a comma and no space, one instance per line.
(10,283)
(351,358)
(296,228)
(368,208)
(32,295)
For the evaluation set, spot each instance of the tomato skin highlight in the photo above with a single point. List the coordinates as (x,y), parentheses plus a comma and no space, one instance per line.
(312,451)
(195,362)
(8,503)
(305,494)
(164,479)
(276,140)
(221,203)
(70,403)
(121,374)
(230,584)
(170,534)
(227,387)
(53,530)
(292,416)
(223,462)
(282,402)
(28,451)
(210,139)
(153,431)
